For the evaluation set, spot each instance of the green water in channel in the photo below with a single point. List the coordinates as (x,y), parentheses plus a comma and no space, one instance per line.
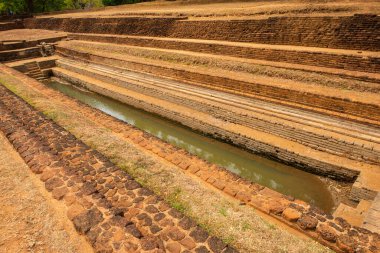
(277,176)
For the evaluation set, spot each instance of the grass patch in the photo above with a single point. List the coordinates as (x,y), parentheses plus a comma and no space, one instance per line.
(246,226)
(223,211)
(174,199)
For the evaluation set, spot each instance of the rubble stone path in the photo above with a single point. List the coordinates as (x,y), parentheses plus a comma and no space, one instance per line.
(30,219)
(113,211)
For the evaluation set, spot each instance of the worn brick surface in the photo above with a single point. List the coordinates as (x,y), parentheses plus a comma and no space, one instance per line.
(351,32)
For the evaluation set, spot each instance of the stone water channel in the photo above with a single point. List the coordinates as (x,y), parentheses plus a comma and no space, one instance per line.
(277,176)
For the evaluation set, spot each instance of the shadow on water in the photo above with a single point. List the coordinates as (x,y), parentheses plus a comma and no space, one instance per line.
(277,176)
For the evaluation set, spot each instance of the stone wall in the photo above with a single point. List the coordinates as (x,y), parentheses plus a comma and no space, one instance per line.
(44,65)
(19,54)
(11,25)
(359,32)
(12,45)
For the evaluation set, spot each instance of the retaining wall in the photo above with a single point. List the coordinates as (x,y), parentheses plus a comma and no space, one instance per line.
(12,45)
(11,25)
(361,32)
(44,65)
(20,54)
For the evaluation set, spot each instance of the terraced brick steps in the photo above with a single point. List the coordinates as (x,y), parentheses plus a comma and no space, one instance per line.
(34,71)
(114,212)
(331,77)
(370,81)
(365,61)
(44,64)
(20,44)
(237,110)
(365,188)
(348,104)
(361,129)
(240,135)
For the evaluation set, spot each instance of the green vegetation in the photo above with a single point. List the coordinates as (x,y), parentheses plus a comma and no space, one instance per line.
(223,211)
(246,226)
(173,200)
(119,2)
(82,4)
(10,7)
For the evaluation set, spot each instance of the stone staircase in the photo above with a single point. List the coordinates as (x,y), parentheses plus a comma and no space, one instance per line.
(303,89)
(34,71)
(321,139)
(286,123)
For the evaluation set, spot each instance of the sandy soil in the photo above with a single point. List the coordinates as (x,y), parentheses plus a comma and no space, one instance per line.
(201,9)
(30,220)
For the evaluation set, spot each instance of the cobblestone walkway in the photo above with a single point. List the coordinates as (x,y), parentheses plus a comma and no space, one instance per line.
(113,211)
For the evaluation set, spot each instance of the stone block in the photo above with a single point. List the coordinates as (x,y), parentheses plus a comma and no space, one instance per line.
(291,214)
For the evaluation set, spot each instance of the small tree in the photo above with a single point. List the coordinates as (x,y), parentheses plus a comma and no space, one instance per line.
(48,5)
(83,4)
(118,2)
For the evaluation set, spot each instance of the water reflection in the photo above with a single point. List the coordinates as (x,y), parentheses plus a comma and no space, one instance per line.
(282,178)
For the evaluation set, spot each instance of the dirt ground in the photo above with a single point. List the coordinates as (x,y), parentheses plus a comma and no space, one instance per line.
(30,219)
(200,9)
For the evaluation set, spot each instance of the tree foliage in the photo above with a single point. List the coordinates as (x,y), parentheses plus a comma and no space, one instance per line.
(12,6)
(48,5)
(82,4)
(36,6)
(118,2)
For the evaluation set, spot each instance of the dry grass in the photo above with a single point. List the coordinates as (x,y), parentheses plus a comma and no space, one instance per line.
(199,9)
(239,225)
